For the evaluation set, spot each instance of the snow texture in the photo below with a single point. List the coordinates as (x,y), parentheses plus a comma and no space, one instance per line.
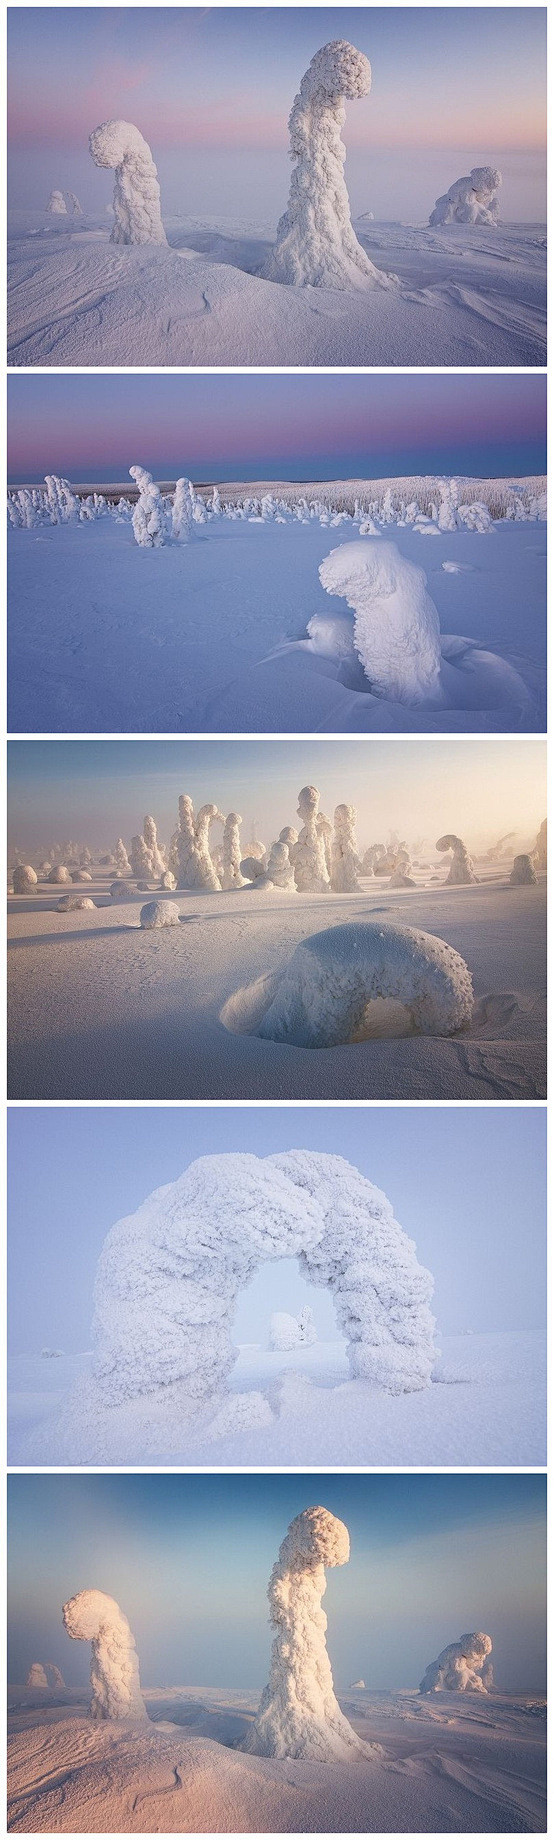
(232,876)
(396,624)
(308,855)
(25,878)
(523,871)
(159,913)
(44,1676)
(316,245)
(136,199)
(464,1667)
(461,868)
(298,1715)
(287,1332)
(472,200)
(345,861)
(93,1617)
(57,205)
(169,1276)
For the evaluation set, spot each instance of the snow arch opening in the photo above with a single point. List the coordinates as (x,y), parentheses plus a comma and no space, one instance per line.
(169,1277)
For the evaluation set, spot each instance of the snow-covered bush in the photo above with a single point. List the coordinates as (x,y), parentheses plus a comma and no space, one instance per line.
(461,868)
(539,852)
(122,863)
(141,863)
(471,200)
(120,891)
(59,874)
(93,1617)
(57,205)
(396,624)
(345,861)
(298,1714)
(401,875)
(159,913)
(25,879)
(522,872)
(72,903)
(463,1667)
(308,855)
(475,516)
(232,876)
(149,520)
(136,200)
(372,858)
(316,245)
(286,1332)
(355,981)
(44,1676)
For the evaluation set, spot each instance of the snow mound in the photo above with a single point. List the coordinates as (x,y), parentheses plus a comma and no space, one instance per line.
(69,903)
(348,984)
(159,913)
(136,199)
(396,624)
(464,1667)
(93,1617)
(24,878)
(523,872)
(59,874)
(471,200)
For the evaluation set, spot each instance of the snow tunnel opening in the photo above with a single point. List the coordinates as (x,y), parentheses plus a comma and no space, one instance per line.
(384,1019)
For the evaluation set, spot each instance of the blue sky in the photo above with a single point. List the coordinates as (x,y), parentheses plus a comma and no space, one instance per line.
(189,1557)
(461,1181)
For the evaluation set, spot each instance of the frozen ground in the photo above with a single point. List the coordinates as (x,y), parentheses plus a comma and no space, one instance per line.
(100,1009)
(466,296)
(211,636)
(486,1405)
(450,1765)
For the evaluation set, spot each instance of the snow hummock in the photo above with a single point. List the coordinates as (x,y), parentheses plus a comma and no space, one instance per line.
(159,913)
(24,878)
(93,1617)
(136,199)
(396,624)
(70,903)
(472,200)
(298,1714)
(523,871)
(463,1667)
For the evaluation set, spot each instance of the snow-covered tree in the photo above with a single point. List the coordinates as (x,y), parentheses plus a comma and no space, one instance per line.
(25,879)
(522,872)
(402,873)
(461,867)
(298,1714)
(71,903)
(316,245)
(57,205)
(308,855)
(168,880)
(141,860)
(345,861)
(60,502)
(287,1332)
(122,863)
(182,516)
(75,207)
(253,869)
(149,520)
(136,200)
(463,1667)
(279,866)
(93,1617)
(396,624)
(232,877)
(471,200)
(157,859)
(539,852)
(372,857)
(44,1676)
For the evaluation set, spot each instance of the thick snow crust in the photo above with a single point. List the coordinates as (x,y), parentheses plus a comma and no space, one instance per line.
(472,200)
(136,199)
(463,1667)
(93,1617)
(298,1715)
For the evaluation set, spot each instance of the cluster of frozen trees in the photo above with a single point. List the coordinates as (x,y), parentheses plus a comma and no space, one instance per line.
(463,1667)
(64,204)
(471,200)
(44,1677)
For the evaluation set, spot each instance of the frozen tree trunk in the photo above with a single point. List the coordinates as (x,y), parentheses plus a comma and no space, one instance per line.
(396,624)
(136,199)
(316,245)
(93,1617)
(461,869)
(308,855)
(298,1715)
(522,872)
(232,877)
(149,519)
(345,861)
(471,200)
(464,1667)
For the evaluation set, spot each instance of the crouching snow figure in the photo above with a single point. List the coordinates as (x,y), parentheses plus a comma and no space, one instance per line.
(345,861)
(522,872)
(298,1715)
(461,868)
(396,624)
(308,855)
(464,1667)
(136,199)
(286,1332)
(93,1617)
(316,245)
(471,200)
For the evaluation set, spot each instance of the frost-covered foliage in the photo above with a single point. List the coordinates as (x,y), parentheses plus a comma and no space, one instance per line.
(157,859)
(298,1714)
(57,205)
(150,517)
(308,855)
(25,878)
(159,913)
(396,624)
(122,863)
(345,861)
(461,868)
(232,876)
(286,1332)
(316,245)
(539,852)
(169,1275)
(189,855)
(93,1617)
(463,1667)
(402,873)
(71,903)
(59,874)
(471,200)
(523,872)
(350,983)
(136,200)
(372,858)
(182,514)
(44,1676)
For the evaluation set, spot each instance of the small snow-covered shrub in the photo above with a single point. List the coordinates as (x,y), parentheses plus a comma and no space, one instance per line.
(539,852)
(159,913)
(59,874)
(93,1617)
(345,861)
(252,869)
(120,891)
(279,870)
(71,903)
(523,872)
(122,863)
(396,624)
(136,200)
(298,1714)
(461,869)
(463,1667)
(471,200)
(25,879)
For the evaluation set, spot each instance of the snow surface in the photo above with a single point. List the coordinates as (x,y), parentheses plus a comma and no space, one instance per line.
(468,295)
(466,1764)
(235,633)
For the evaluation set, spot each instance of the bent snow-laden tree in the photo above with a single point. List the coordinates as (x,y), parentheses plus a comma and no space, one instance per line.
(396,624)
(316,245)
(471,200)
(461,869)
(298,1714)
(463,1667)
(44,1677)
(93,1617)
(136,200)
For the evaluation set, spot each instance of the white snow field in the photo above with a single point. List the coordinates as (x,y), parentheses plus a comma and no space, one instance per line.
(237,632)
(466,295)
(456,1763)
(101,1008)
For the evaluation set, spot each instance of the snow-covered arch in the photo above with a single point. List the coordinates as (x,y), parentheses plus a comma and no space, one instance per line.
(169,1276)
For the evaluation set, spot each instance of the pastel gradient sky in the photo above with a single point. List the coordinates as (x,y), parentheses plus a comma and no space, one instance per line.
(93,428)
(217,84)
(188,1557)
